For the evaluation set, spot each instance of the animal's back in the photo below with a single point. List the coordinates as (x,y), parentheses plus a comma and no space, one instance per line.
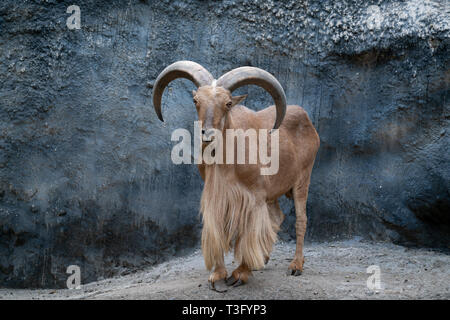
(296,122)
(298,145)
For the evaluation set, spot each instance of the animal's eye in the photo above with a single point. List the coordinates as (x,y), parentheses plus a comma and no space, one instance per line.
(195,101)
(228,104)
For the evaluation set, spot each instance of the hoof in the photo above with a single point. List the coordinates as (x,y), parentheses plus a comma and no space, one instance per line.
(239,276)
(231,281)
(217,276)
(238,283)
(294,272)
(296,267)
(212,287)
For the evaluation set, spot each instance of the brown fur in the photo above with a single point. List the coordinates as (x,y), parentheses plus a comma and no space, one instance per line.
(239,205)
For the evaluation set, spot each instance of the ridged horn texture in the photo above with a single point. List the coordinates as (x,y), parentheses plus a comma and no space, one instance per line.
(180,69)
(242,76)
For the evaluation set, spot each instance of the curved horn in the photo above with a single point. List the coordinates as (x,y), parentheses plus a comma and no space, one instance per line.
(251,75)
(180,69)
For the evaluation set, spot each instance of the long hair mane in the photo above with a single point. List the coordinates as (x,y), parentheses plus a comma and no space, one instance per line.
(232,215)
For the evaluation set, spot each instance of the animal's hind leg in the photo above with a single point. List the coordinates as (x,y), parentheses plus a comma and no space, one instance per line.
(300,194)
(277,217)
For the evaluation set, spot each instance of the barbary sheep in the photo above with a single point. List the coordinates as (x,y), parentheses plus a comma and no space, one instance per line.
(239,205)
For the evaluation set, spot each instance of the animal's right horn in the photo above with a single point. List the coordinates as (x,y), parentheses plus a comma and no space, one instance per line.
(180,69)
(242,76)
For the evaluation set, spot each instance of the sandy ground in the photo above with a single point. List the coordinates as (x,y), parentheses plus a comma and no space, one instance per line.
(334,270)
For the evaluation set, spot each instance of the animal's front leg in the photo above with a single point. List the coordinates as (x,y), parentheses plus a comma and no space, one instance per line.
(220,272)
(239,276)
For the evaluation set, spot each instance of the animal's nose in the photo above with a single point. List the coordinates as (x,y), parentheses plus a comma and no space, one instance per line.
(203,131)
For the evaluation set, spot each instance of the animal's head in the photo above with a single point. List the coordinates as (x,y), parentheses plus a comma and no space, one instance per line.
(213,98)
(212,104)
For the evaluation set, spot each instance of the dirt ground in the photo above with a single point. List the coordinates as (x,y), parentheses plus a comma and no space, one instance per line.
(335,270)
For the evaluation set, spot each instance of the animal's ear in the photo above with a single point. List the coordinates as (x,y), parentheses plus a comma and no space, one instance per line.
(237,99)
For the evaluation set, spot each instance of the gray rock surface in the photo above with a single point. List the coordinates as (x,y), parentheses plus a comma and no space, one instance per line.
(85,170)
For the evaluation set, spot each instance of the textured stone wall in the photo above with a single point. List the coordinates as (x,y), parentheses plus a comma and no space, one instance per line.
(85,170)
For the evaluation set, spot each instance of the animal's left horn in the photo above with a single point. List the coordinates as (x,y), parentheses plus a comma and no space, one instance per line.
(180,69)
(251,75)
